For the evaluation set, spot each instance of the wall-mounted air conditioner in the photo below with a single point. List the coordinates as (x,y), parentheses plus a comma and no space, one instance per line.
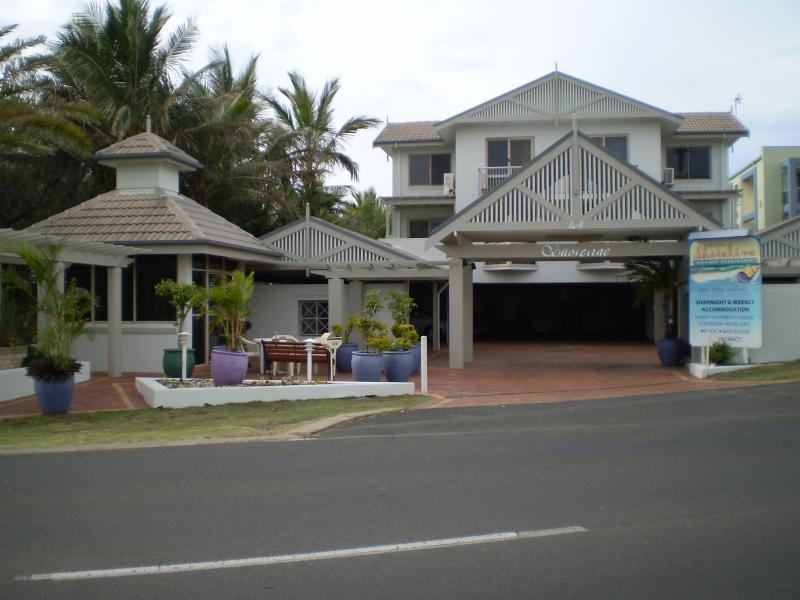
(669,176)
(449,187)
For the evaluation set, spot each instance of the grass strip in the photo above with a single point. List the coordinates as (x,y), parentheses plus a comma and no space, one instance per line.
(166,425)
(781,372)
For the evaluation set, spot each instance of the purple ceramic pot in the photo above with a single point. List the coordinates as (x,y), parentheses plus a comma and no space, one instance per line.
(228,368)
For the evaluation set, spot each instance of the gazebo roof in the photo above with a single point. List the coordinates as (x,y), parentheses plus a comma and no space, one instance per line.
(148,218)
(146,145)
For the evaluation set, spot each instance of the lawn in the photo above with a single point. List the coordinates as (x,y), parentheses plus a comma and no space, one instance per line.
(781,372)
(167,425)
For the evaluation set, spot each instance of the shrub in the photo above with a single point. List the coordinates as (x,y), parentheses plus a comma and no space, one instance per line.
(720,353)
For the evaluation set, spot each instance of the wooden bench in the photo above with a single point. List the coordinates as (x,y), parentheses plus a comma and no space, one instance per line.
(295,353)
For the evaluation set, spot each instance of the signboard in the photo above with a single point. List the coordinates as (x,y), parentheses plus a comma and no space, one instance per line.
(725,291)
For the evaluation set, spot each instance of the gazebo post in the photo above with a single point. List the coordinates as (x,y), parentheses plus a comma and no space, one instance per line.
(114,321)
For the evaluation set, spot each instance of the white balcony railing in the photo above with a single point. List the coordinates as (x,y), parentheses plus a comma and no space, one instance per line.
(490,177)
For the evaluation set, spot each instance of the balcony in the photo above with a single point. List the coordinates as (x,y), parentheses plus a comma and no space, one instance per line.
(491,177)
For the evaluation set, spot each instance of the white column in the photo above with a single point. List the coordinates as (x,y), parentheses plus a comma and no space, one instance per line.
(184,275)
(336,302)
(114,321)
(468,309)
(455,317)
(436,318)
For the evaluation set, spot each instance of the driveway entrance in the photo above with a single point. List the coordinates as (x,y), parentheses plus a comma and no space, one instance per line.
(527,372)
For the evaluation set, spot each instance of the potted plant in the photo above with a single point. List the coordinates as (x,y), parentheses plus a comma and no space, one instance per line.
(228,306)
(367,364)
(183,297)
(344,353)
(400,306)
(65,311)
(398,360)
(664,276)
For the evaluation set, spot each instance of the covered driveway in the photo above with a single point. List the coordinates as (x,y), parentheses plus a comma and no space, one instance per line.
(530,372)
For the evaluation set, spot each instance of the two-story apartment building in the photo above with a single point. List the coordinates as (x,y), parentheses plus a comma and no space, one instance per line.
(769,188)
(564,161)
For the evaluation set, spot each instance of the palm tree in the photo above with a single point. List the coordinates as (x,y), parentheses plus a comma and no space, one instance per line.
(115,56)
(220,122)
(365,214)
(658,275)
(31,126)
(312,145)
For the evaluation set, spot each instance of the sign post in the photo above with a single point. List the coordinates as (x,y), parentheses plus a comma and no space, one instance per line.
(725,289)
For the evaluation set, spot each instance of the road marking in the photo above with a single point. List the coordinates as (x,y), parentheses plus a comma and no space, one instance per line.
(259,561)
(122,394)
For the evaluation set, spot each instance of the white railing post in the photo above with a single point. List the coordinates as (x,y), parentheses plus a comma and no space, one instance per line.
(309,362)
(423,364)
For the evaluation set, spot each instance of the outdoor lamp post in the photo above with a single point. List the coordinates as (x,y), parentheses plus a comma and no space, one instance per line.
(183,343)
(309,349)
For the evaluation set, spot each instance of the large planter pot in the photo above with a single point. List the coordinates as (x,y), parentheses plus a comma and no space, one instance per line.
(228,368)
(344,357)
(398,365)
(367,366)
(54,397)
(171,363)
(416,355)
(670,352)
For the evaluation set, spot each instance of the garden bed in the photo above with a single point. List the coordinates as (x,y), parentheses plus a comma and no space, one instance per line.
(186,394)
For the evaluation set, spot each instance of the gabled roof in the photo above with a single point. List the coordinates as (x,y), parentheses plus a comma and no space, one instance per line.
(314,242)
(146,145)
(575,189)
(148,218)
(557,95)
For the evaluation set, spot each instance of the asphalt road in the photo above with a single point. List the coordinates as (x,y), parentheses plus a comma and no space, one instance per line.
(680,496)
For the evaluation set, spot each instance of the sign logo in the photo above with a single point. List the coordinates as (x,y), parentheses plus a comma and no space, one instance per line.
(725,292)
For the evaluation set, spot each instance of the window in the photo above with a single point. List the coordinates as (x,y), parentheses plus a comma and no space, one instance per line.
(313,317)
(508,152)
(428,169)
(422,228)
(617,145)
(690,163)
(149,271)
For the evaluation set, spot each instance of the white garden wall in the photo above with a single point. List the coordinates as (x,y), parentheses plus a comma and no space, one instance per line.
(142,345)
(780,325)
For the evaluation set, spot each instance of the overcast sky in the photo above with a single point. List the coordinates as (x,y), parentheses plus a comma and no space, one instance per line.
(427,59)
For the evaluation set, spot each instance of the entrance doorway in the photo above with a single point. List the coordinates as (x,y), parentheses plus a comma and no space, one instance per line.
(599,311)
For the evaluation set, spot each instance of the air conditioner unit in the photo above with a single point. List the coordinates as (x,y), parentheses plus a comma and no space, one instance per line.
(449,184)
(669,176)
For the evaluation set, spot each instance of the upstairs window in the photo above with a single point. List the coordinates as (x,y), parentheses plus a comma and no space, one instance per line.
(616,145)
(508,152)
(428,169)
(693,162)
(422,228)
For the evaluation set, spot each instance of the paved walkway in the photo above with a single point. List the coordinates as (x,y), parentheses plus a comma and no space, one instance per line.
(502,373)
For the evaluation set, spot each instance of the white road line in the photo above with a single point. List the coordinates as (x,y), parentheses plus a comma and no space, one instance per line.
(259,561)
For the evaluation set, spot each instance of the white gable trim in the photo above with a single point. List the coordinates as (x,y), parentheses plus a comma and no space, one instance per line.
(315,243)
(558,96)
(574,189)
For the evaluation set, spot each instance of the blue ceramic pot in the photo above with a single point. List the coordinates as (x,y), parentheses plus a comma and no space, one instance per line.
(416,354)
(54,397)
(670,352)
(398,365)
(344,357)
(228,368)
(367,366)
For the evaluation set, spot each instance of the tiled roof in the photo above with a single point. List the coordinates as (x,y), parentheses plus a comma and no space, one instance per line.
(145,145)
(408,133)
(159,216)
(693,123)
(710,122)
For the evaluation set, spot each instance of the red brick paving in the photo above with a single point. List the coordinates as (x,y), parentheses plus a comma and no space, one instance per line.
(502,373)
